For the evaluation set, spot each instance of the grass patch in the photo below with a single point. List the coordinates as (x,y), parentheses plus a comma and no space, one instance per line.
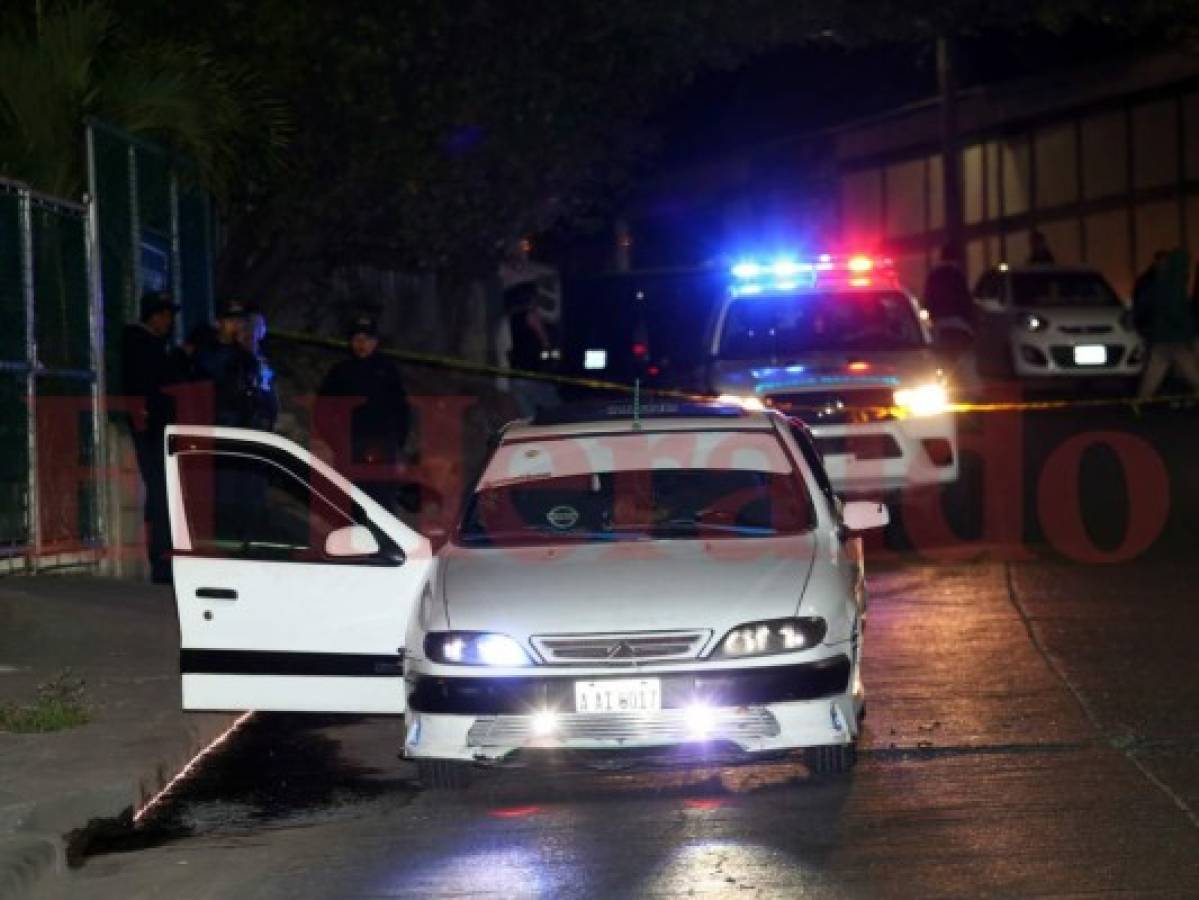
(59,706)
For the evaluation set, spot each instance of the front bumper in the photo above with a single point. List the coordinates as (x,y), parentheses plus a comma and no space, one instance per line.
(891,455)
(757,709)
(1051,355)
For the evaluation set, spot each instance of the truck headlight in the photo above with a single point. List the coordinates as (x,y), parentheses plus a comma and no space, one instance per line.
(925,400)
(773,636)
(474,648)
(750,403)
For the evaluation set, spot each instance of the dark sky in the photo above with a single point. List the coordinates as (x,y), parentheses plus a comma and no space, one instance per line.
(803,89)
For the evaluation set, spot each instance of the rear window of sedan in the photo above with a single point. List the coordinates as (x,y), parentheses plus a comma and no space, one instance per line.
(672,485)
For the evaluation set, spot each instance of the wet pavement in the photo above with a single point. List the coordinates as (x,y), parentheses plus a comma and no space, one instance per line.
(1032,731)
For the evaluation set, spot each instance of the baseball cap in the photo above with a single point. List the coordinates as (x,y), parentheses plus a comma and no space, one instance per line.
(154,302)
(364,324)
(233,309)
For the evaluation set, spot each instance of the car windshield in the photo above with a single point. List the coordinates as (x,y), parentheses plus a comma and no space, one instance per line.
(1062,289)
(770,327)
(637,505)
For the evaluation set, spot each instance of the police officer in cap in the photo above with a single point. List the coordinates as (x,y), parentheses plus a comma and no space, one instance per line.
(244,396)
(146,371)
(362,414)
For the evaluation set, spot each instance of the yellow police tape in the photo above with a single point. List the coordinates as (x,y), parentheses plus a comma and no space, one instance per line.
(461,365)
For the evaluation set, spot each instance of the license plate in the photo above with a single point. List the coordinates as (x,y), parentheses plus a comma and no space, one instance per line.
(1090,355)
(618,695)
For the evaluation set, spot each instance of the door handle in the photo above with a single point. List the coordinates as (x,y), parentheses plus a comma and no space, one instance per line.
(206,593)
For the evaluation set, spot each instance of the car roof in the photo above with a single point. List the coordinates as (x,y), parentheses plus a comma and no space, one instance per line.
(568,421)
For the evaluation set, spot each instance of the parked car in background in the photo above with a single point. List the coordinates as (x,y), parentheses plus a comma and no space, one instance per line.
(1047,321)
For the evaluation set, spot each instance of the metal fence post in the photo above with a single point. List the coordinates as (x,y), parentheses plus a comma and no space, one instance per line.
(32,506)
(135,240)
(96,334)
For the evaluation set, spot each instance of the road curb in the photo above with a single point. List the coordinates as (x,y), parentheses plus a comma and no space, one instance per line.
(36,845)
(25,859)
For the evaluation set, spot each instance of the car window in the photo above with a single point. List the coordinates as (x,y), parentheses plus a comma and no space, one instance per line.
(813,458)
(244,506)
(641,504)
(1062,289)
(768,327)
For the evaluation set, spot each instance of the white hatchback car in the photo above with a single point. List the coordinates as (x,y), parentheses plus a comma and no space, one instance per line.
(1046,321)
(682,579)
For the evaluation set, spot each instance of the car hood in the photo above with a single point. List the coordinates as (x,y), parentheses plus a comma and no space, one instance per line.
(820,371)
(625,587)
(1072,316)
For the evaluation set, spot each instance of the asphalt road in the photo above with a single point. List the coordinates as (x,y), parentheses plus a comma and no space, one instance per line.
(1032,730)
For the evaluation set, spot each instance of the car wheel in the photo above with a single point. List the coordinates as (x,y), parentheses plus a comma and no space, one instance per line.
(833,759)
(443,774)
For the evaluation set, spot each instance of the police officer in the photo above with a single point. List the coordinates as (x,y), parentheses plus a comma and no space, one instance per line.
(533,348)
(244,397)
(146,372)
(362,413)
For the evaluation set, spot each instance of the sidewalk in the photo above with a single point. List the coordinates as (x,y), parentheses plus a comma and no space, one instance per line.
(121,639)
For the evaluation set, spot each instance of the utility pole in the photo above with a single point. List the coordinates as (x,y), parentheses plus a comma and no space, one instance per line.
(950,157)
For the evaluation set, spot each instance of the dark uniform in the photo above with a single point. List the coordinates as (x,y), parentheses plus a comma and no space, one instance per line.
(145,373)
(242,392)
(362,413)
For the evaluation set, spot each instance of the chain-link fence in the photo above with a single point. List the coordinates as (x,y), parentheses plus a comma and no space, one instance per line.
(155,229)
(49,382)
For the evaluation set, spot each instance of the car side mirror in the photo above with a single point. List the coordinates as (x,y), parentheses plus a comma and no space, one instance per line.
(353,540)
(865,515)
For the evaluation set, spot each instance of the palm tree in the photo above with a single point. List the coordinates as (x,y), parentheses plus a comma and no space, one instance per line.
(72,64)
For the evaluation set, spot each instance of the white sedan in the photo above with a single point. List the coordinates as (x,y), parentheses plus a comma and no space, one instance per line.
(680,580)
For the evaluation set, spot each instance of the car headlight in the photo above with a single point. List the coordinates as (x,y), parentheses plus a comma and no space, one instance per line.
(753,404)
(925,400)
(774,636)
(475,648)
(1033,323)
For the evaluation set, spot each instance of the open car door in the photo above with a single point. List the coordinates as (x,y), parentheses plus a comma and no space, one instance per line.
(293,587)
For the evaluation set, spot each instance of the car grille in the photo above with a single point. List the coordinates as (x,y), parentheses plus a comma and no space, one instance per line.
(850,406)
(1064,357)
(668,726)
(1085,329)
(620,649)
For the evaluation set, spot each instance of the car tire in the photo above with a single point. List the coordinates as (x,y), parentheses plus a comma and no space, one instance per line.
(831,760)
(443,774)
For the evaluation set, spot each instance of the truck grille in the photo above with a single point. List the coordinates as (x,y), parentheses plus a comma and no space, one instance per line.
(669,726)
(620,649)
(851,406)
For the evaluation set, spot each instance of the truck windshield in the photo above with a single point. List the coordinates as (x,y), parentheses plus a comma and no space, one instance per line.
(768,327)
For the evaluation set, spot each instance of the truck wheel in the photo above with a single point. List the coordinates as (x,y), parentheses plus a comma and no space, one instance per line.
(833,759)
(443,774)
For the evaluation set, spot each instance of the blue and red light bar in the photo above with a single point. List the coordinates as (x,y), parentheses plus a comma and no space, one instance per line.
(785,273)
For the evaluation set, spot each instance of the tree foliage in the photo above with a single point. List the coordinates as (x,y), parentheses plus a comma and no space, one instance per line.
(66,64)
(431,133)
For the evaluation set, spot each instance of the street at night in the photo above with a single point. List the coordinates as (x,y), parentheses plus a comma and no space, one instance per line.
(1032,731)
(599,449)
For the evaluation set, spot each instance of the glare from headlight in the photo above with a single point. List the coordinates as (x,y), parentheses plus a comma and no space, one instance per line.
(545,722)
(925,400)
(500,650)
(474,648)
(753,404)
(700,718)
